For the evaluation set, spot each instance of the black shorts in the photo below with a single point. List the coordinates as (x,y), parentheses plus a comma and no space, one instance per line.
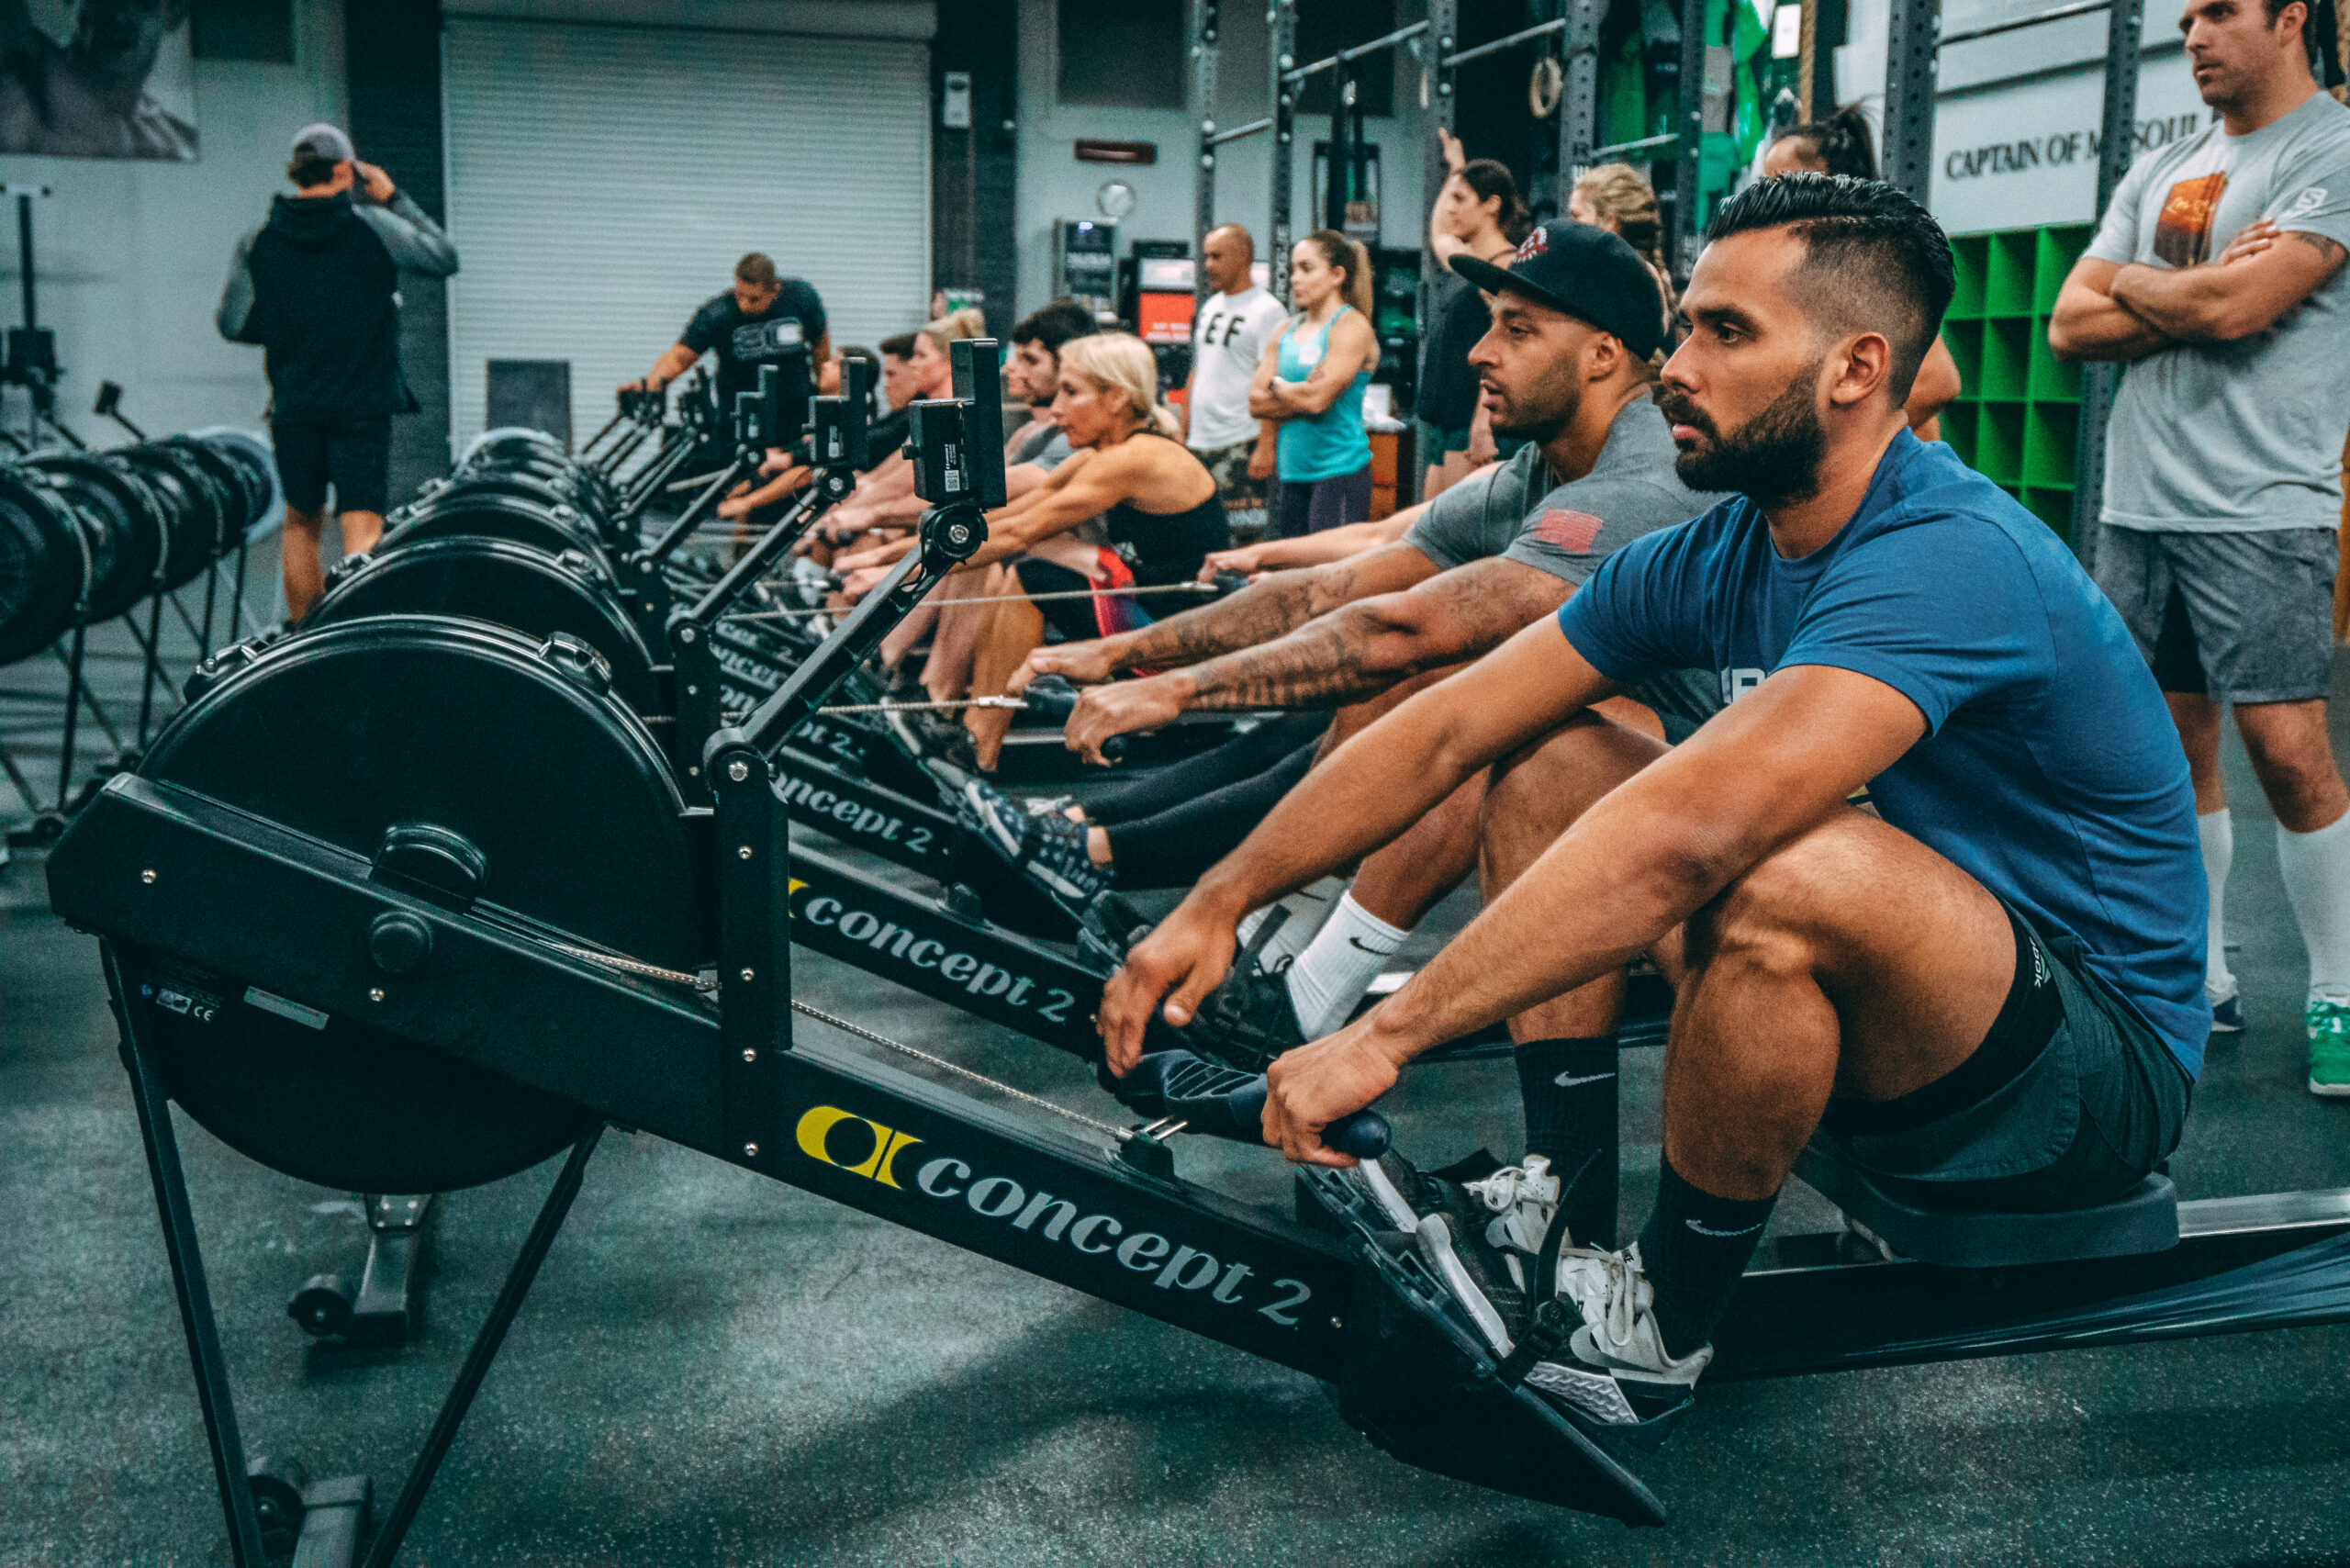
(2070,1101)
(1072,617)
(354,456)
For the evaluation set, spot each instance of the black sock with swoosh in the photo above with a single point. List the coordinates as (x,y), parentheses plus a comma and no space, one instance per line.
(1692,1250)
(1570,1092)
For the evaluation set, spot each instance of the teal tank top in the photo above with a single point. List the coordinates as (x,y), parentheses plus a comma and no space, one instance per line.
(1332,443)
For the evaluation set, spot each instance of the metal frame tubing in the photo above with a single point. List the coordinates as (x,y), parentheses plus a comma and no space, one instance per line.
(1444,32)
(1687,210)
(1283,20)
(1579,102)
(2117,138)
(1207,17)
(1912,58)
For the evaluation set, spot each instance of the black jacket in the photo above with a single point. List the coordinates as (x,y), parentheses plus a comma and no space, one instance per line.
(317,287)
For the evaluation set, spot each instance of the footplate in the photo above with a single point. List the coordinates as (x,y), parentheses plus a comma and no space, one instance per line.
(1419,1384)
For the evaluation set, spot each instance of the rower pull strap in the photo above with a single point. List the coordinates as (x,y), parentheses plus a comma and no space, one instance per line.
(1552,1323)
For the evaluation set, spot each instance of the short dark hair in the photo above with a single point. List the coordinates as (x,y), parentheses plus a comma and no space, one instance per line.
(1878,261)
(1055,324)
(756,269)
(901,346)
(308,174)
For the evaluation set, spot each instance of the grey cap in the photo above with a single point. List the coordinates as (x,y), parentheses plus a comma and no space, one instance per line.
(324,142)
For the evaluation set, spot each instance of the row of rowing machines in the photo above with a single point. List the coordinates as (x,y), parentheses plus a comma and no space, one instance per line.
(411,901)
(88,537)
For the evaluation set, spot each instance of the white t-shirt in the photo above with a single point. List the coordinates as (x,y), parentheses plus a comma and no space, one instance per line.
(1227,340)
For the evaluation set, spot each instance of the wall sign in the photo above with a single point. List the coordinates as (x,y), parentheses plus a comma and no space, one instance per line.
(2025,155)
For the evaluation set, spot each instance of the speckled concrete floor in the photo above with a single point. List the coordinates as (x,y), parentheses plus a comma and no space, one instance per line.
(716,1369)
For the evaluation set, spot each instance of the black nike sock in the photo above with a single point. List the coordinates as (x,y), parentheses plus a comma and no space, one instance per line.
(1570,1092)
(1692,1250)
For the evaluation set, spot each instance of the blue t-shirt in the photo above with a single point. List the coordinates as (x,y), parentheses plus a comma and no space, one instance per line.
(2049,772)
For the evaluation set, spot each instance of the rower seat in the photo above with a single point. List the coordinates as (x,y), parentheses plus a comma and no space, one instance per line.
(2144,1219)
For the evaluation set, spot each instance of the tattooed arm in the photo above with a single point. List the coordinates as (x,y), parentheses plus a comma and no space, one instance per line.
(1354,653)
(1265,609)
(2222,301)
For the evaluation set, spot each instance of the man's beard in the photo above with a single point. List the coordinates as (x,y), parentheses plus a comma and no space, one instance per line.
(1773,458)
(1556,403)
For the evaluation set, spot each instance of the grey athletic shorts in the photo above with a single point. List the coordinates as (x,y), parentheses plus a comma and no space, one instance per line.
(1244,499)
(2240,617)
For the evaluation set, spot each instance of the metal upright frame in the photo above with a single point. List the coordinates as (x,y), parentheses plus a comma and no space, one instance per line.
(1913,47)
(1688,213)
(2117,139)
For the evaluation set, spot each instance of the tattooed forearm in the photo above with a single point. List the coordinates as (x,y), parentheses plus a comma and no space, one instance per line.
(1271,607)
(1366,647)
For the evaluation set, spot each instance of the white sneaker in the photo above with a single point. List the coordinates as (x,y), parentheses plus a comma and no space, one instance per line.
(1523,1199)
(1620,1336)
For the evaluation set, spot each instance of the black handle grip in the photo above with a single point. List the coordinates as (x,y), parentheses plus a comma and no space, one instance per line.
(1363,1134)
(1053,696)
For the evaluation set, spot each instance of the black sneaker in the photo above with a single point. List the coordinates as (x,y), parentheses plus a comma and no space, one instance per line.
(1247,1020)
(1048,850)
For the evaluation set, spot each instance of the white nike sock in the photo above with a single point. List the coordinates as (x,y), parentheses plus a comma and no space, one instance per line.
(1338,965)
(1304,915)
(2316,869)
(2217,830)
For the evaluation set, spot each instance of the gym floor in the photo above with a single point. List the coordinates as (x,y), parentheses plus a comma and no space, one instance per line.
(718,1369)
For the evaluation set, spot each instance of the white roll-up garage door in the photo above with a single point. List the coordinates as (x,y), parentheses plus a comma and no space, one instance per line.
(603,181)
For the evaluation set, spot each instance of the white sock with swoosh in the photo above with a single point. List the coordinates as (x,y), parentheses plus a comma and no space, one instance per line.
(1338,965)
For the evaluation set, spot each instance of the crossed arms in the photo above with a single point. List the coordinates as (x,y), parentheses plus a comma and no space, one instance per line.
(2126,311)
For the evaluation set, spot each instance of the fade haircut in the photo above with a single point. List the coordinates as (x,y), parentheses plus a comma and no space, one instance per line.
(900,346)
(756,269)
(1874,260)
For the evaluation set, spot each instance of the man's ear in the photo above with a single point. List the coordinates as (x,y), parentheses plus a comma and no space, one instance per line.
(1861,367)
(1602,356)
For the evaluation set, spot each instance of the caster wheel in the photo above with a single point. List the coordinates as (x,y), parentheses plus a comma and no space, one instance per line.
(322,1306)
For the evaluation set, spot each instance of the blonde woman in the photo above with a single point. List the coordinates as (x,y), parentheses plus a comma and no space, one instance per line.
(1139,510)
(1618,198)
(1311,380)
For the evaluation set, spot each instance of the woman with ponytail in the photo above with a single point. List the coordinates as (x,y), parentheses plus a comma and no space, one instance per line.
(1478,213)
(1843,144)
(1310,380)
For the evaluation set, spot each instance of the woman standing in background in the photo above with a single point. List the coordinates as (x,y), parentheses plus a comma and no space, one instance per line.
(1311,380)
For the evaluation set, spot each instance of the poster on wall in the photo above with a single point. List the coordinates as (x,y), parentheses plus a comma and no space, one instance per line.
(97,79)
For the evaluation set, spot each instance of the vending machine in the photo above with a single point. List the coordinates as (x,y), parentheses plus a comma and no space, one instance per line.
(1085,264)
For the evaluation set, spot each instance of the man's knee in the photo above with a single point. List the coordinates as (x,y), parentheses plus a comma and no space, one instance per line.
(1555,780)
(1773,917)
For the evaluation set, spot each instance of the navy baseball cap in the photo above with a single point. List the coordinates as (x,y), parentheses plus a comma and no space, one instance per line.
(1585,272)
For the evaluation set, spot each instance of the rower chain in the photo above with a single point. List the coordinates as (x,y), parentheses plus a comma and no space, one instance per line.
(679,977)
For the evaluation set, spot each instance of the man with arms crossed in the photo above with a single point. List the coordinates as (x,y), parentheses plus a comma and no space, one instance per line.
(2217,273)
(1989,993)
(1227,340)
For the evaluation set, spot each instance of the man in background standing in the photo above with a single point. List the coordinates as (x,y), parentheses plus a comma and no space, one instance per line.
(2218,274)
(317,287)
(1228,339)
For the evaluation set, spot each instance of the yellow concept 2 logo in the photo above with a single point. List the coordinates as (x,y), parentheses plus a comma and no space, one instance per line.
(816,1129)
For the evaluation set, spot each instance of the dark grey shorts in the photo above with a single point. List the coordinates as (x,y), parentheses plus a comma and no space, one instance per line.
(2241,617)
(2101,1106)
(1244,499)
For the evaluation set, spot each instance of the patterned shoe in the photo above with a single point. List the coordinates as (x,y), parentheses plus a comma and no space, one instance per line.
(2327,1019)
(1050,850)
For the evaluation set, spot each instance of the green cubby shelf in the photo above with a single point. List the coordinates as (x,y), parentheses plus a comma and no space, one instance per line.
(2018,418)
(2007,280)
(1968,255)
(2007,359)
(1998,444)
(1964,341)
(2050,433)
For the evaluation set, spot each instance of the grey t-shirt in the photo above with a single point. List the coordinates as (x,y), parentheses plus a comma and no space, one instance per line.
(1514,511)
(2243,436)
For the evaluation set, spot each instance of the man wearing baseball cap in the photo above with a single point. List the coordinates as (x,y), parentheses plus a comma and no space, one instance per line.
(317,287)
(1567,368)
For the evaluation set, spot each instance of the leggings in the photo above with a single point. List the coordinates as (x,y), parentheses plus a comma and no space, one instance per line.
(1168,827)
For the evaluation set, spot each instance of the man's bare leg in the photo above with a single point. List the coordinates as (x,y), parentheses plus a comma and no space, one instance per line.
(361,531)
(1853,961)
(2293,756)
(299,549)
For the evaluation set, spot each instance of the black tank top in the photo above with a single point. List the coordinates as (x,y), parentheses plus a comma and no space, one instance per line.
(1168,547)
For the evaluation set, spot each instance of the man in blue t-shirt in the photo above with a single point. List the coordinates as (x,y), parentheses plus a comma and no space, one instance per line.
(1985,985)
